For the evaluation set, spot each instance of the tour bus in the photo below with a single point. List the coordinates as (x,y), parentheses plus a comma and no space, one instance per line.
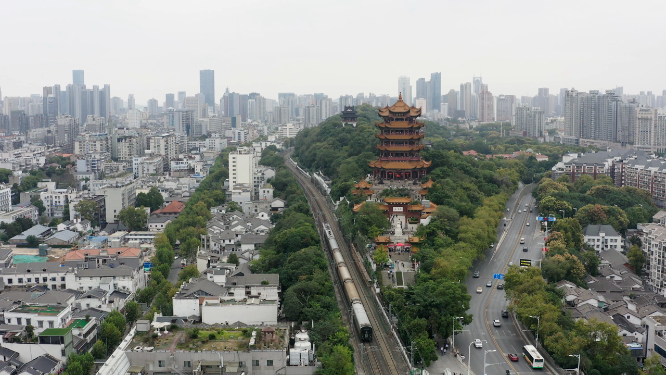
(532,356)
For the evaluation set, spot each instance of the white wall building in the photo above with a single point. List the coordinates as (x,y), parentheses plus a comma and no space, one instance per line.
(133,118)
(40,316)
(250,312)
(117,198)
(124,279)
(602,237)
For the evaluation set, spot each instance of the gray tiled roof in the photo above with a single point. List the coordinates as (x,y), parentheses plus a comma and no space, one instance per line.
(594,230)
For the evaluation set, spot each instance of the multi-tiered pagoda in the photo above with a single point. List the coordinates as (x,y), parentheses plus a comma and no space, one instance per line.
(400,147)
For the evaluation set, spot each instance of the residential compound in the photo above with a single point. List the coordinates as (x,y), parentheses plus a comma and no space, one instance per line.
(626,167)
(607,117)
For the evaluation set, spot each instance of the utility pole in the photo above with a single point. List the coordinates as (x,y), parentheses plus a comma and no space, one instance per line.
(411,354)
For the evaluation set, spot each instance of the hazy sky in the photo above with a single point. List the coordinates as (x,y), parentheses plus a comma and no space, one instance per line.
(150,48)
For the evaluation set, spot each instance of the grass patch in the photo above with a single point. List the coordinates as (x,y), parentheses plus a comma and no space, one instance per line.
(398,278)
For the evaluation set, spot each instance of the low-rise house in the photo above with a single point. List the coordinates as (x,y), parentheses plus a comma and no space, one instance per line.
(252,241)
(62,238)
(39,231)
(94,258)
(42,365)
(50,274)
(157,223)
(40,316)
(173,209)
(188,300)
(252,311)
(602,237)
(121,278)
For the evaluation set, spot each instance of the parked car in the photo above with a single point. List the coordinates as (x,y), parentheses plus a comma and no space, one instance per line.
(478,343)
(497,323)
(513,357)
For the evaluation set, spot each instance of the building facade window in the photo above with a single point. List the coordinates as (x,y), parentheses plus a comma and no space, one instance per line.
(255,362)
(269,362)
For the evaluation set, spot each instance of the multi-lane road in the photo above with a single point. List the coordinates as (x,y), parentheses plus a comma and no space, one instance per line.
(488,305)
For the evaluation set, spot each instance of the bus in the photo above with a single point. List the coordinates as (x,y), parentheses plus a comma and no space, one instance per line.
(532,356)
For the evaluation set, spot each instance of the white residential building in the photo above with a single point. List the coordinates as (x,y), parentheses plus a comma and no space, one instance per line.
(5,198)
(40,316)
(164,145)
(55,200)
(241,168)
(133,118)
(654,248)
(88,143)
(145,166)
(123,278)
(602,237)
(117,198)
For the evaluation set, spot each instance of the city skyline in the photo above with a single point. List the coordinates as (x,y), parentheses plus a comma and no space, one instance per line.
(349,63)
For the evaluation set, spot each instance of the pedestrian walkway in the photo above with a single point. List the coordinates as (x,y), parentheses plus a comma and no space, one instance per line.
(448,360)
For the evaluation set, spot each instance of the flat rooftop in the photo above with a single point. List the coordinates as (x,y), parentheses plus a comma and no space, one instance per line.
(40,310)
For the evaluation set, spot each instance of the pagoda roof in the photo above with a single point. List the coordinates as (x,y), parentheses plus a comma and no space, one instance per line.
(423,192)
(383,239)
(400,107)
(400,148)
(415,207)
(431,209)
(400,124)
(387,164)
(400,136)
(398,200)
(427,184)
(382,207)
(363,184)
(414,239)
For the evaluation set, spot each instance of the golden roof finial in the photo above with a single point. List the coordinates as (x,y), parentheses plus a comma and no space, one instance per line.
(400,97)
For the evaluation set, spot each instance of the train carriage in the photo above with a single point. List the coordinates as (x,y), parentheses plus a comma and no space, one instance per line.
(362,322)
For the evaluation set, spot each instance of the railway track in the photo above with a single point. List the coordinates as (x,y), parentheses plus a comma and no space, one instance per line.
(379,356)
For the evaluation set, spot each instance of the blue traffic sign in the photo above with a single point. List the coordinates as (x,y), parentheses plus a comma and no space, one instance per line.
(498,276)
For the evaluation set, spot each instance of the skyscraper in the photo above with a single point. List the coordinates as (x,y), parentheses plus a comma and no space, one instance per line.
(485,98)
(46,91)
(505,108)
(406,89)
(152,106)
(476,84)
(435,94)
(181,98)
(207,86)
(77,77)
(169,103)
(466,98)
(421,89)
(452,100)
(131,103)
(529,120)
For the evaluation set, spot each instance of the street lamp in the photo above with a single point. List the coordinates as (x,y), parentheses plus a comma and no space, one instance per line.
(578,367)
(469,358)
(484,359)
(538,318)
(453,334)
(562,211)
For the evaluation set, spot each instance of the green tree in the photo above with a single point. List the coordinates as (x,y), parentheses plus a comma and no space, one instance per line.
(37,202)
(652,366)
(88,210)
(133,218)
(636,259)
(233,206)
(65,213)
(32,241)
(132,312)
(188,272)
(99,350)
(380,256)
(4,175)
(152,199)
(339,362)
(233,259)
(370,215)
(117,319)
(29,332)
(110,334)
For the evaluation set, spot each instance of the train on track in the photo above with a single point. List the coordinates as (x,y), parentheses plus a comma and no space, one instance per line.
(360,316)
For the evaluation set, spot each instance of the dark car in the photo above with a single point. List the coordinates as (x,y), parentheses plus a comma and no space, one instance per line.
(525,249)
(500,286)
(477,274)
(505,313)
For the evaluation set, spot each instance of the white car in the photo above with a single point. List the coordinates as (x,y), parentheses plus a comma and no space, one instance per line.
(497,323)
(478,344)
(528,224)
